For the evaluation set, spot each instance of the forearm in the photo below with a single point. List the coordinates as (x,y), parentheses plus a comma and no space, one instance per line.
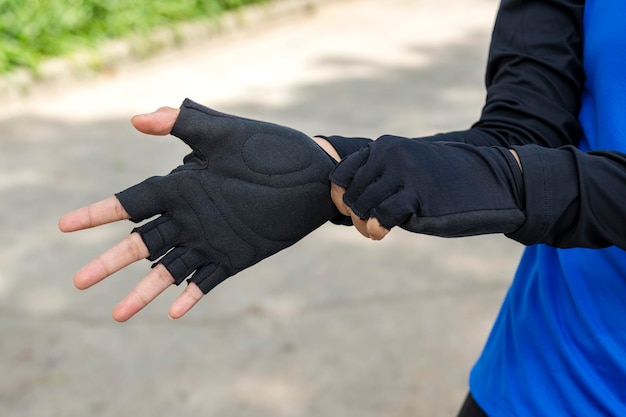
(562,197)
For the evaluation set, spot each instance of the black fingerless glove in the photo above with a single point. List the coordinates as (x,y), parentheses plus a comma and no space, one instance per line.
(438,188)
(248,190)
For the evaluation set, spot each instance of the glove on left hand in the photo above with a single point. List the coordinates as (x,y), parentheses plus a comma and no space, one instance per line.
(438,188)
(248,190)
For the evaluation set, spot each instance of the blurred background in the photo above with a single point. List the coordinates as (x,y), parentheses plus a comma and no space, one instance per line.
(336,325)
(36,30)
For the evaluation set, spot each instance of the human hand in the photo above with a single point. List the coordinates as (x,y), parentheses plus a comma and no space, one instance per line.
(437,188)
(132,247)
(248,190)
(370,228)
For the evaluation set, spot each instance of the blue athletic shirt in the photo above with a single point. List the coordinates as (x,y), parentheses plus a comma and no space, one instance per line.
(558,347)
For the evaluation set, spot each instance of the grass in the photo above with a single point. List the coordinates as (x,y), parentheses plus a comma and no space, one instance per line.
(33,30)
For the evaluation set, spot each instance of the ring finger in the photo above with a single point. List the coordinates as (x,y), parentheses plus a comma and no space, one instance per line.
(157,280)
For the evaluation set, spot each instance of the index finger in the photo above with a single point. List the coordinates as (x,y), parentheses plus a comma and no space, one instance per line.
(106,211)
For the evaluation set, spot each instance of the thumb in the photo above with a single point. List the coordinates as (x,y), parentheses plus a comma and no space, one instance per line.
(158,123)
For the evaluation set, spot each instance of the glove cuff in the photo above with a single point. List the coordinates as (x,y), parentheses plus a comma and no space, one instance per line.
(547,206)
(345,146)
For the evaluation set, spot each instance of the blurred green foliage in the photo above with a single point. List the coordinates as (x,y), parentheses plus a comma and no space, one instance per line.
(34,29)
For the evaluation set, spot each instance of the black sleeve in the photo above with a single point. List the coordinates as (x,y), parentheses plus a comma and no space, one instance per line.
(534,75)
(534,82)
(573,198)
(534,79)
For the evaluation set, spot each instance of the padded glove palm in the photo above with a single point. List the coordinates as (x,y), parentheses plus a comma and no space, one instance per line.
(248,190)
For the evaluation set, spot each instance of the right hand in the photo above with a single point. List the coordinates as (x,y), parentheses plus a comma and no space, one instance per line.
(248,190)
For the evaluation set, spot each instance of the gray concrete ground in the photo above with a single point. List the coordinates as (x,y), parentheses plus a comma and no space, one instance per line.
(335,326)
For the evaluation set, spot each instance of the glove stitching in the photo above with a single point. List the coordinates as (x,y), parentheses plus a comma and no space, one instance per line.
(201,275)
(243,155)
(234,184)
(204,231)
(484,215)
(158,253)
(205,237)
(186,268)
(189,104)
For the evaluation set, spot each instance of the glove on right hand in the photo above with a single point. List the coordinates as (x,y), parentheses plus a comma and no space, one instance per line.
(438,188)
(248,190)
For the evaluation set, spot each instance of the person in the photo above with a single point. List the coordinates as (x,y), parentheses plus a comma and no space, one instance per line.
(544,165)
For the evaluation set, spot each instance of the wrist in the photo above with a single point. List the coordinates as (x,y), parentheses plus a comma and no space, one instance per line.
(327,147)
(346,146)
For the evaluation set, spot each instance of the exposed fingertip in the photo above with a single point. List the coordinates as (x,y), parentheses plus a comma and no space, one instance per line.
(122,312)
(378,235)
(189,297)
(175,313)
(66,225)
(159,123)
(78,283)
(120,318)
(375,230)
(61,225)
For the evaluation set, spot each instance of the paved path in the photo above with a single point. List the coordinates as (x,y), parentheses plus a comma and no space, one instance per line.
(336,326)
